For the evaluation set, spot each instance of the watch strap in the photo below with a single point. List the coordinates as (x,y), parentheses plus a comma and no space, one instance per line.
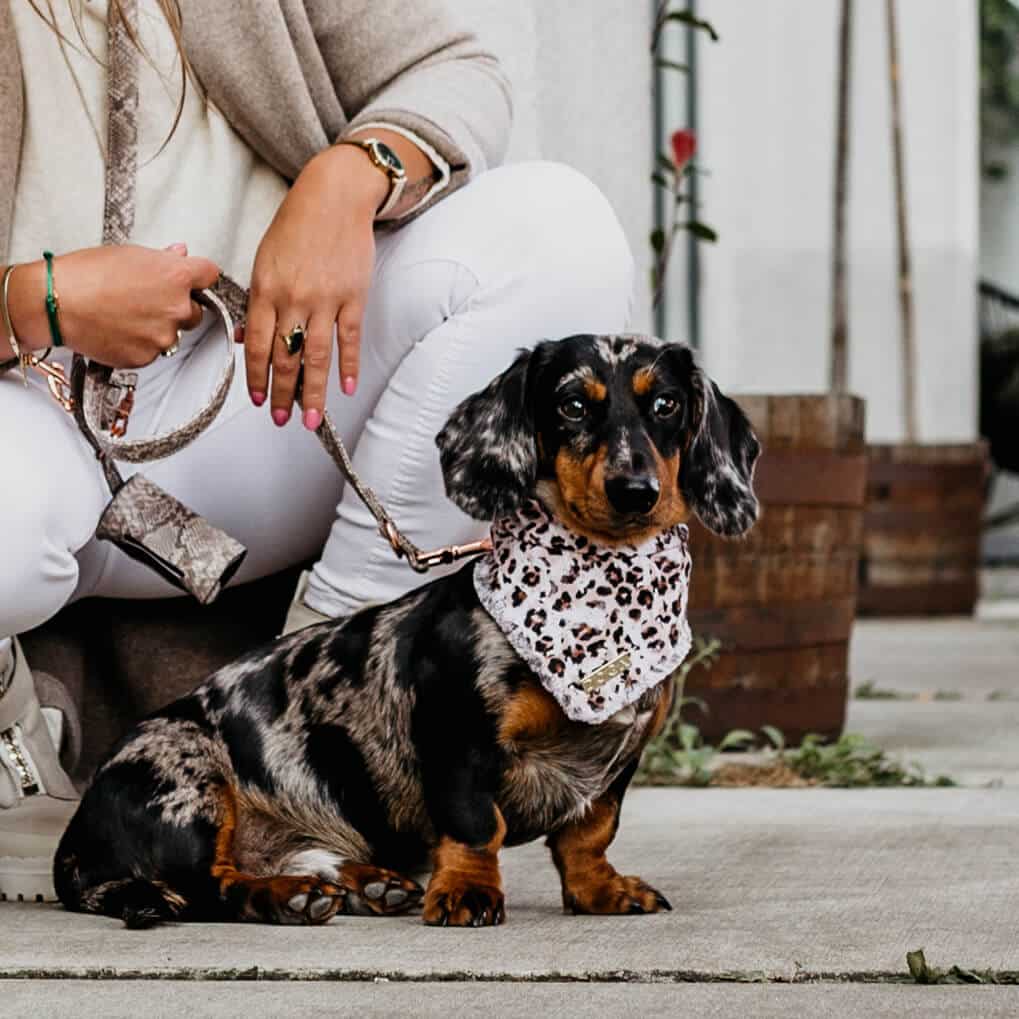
(397,181)
(396,186)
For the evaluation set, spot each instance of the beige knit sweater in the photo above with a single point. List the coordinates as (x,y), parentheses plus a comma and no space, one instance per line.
(292,76)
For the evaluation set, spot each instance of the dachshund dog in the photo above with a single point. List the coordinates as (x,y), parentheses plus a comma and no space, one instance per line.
(312,776)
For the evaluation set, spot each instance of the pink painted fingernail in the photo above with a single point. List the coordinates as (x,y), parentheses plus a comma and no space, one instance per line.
(349,384)
(257,398)
(312,419)
(281,416)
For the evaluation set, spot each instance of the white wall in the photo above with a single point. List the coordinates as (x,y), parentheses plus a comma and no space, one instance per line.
(582,79)
(767,100)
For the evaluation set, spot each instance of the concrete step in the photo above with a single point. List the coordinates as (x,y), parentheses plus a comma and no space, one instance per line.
(923,656)
(127,999)
(973,743)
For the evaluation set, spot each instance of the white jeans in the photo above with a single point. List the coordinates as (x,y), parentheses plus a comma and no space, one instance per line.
(523,253)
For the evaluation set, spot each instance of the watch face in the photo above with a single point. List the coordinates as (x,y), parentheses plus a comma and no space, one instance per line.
(388,156)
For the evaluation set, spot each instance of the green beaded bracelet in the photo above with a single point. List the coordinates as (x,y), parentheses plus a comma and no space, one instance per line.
(52,302)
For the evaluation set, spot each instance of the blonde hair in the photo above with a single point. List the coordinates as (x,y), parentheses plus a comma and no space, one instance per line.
(115,11)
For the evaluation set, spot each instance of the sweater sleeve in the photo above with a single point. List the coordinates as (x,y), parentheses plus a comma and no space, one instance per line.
(411,65)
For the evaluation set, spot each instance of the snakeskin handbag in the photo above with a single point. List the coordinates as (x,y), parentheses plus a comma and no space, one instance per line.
(143,520)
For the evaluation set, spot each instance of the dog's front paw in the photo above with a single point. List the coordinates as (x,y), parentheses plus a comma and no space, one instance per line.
(375,891)
(614,896)
(452,903)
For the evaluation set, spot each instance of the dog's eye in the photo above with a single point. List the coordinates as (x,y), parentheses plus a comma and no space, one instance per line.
(664,406)
(573,409)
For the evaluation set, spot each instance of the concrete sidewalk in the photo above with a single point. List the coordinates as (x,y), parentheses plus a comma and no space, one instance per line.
(768,885)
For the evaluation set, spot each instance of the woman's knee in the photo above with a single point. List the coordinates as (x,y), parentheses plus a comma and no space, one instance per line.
(547,232)
(516,223)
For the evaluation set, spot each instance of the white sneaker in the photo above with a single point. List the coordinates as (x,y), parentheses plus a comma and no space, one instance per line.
(37,799)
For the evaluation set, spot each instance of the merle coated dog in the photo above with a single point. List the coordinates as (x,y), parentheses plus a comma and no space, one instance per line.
(312,776)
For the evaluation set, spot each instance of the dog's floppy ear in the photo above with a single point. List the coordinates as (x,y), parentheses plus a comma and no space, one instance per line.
(717,473)
(487,448)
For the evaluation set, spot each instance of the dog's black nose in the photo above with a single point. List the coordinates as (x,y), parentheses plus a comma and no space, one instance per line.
(630,493)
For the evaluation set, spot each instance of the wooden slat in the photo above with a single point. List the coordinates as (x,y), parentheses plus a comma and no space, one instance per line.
(941,599)
(948,477)
(913,453)
(798,691)
(814,421)
(776,625)
(791,530)
(811,478)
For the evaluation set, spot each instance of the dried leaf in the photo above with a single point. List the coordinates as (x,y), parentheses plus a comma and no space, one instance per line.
(918,966)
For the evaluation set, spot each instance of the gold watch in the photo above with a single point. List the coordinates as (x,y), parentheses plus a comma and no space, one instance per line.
(389,163)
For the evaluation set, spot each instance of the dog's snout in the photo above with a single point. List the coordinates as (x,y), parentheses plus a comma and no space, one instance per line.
(633,493)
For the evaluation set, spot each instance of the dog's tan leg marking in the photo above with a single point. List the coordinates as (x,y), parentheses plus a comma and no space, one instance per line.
(466,887)
(284,899)
(590,883)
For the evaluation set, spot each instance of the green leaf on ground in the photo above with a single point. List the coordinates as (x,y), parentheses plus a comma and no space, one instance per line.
(870,691)
(923,973)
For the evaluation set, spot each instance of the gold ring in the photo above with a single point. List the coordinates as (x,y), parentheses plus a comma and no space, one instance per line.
(294,340)
(174,347)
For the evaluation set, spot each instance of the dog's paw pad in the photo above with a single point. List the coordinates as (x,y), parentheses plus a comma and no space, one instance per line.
(319,907)
(305,899)
(375,891)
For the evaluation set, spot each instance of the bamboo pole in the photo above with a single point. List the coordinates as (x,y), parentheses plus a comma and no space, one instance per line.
(908,336)
(838,378)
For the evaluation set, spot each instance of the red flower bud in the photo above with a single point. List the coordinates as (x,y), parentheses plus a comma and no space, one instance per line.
(684,145)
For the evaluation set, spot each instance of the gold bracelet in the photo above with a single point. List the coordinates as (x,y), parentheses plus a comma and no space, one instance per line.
(11,338)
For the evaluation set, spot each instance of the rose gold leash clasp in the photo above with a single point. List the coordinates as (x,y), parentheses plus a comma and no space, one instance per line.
(56,379)
(452,553)
(420,561)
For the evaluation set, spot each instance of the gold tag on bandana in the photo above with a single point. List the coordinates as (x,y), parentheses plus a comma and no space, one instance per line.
(601,675)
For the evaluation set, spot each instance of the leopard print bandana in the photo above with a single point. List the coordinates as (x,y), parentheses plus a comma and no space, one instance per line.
(598,624)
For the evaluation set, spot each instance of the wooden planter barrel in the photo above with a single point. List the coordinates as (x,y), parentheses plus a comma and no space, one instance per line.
(782,600)
(922,529)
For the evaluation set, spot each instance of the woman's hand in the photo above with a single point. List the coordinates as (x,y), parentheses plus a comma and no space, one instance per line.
(120,305)
(313,269)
